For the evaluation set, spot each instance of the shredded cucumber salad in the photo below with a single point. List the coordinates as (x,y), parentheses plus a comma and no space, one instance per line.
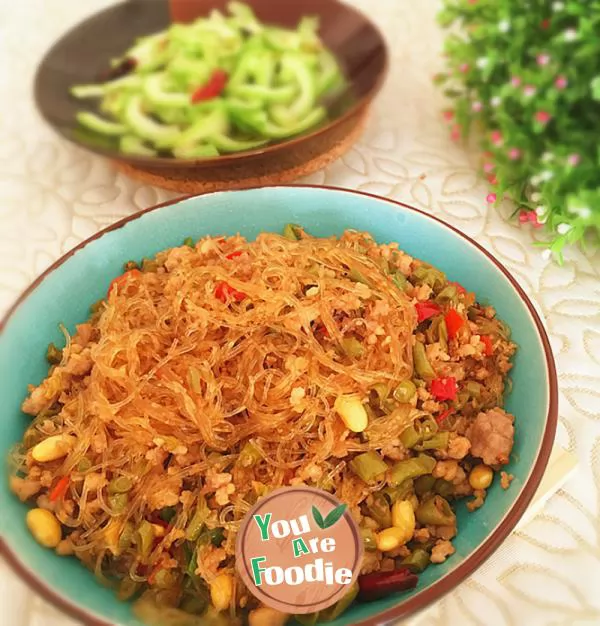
(221,84)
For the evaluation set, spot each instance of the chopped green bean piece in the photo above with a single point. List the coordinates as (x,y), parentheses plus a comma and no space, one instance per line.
(448,294)
(401,492)
(439,441)
(358,277)
(120,484)
(400,281)
(352,347)
(195,525)
(417,560)
(250,455)
(368,466)
(435,511)
(149,265)
(424,484)
(443,488)
(125,537)
(118,503)
(431,276)
(167,514)
(369,541)
(411,468)
(380,510)
(293,232)
(333,612)
(405,391)
(84,465)
(144,537)
(53,354)
(473,388)
(422,364)
(188,241)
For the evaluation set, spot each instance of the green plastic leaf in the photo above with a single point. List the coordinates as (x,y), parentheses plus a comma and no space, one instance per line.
(318,517)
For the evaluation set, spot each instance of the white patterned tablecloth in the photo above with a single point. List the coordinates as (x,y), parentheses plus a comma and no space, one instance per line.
(53,195)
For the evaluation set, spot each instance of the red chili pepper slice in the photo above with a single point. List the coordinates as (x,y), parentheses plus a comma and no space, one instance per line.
(443,415)
(153,573)
(225,292)
(213,88)
(60,489)
(458,286)
(487,342)
(380,584)
(234,254)
(425,310)
(444,388)
(120,280)
(454,322)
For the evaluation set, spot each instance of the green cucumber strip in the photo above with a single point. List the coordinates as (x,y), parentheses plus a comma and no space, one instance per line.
(279,95)
(213,123)
(130,144)
(228,144)
(146,128)
(156,95)
(100,125)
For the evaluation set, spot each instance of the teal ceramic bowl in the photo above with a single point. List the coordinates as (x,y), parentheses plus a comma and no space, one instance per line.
(66,290)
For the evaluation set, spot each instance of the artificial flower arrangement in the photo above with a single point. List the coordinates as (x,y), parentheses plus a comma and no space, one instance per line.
(523,76)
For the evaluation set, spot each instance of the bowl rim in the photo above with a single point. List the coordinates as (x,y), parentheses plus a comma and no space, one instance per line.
(225,159)
(468,566)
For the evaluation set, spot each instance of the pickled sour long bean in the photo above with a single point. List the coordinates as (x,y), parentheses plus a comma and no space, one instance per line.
(221,84)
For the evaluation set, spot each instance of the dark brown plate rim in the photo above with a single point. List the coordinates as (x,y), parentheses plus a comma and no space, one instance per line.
(452,578)
(225,159)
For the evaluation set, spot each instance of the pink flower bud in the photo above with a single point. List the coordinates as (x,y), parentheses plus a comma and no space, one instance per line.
(477,106)
(496,137)
(514,154)
(543,59)
(488,167)
(448,115)
(515,81)
(561,82)
(543,117)
(529,90)
(464,68)
(523,217)
(491,198)
(573,159)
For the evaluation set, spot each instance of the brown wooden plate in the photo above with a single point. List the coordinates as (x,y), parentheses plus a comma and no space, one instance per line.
(83,54)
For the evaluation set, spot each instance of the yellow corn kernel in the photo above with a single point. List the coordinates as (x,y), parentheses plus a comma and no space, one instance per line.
(266,616)
(352,412)
(403,517)
(52,448)
(159,531)
(221,591)
(390,539)
(481,477)
(44,527)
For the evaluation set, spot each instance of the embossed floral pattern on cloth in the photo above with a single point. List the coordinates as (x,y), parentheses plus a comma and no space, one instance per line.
(53,195)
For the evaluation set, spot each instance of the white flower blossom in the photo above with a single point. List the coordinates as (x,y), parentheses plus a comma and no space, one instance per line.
(482,62)
(563,229)
(570,34)
(504,26)
(546,175)
(495,101)
(546,254)
(547,157)
(558,6)
(536,197)
(535,180)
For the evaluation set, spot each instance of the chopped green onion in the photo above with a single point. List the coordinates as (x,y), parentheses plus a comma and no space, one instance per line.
(352,347)
(118,503)
(194,527)
(292,232)
(380,510)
